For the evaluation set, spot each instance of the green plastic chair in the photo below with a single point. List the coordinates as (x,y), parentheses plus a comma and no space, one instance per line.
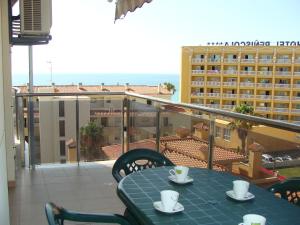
(136,160)
(288,189)
(57,215)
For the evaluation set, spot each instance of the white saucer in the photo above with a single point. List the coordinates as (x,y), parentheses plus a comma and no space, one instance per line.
(247,197)
(186,181)
(158,206)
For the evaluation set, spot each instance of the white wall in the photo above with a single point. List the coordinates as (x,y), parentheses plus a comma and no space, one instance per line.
(4,209)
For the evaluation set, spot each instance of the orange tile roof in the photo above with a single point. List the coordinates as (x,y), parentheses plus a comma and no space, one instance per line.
(140,89)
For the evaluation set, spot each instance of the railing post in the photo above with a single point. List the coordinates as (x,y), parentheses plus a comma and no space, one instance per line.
(211,141)
(158,128)
(126,146)
(77,131)
(124,127)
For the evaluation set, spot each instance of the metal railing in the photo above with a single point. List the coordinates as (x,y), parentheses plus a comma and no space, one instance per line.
(131,113)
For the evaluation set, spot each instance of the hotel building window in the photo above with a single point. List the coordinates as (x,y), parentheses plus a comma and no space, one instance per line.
(61,128)
(226,134)
(61,108)
(62,148)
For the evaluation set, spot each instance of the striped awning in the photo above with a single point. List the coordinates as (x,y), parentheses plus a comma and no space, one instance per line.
(125,6)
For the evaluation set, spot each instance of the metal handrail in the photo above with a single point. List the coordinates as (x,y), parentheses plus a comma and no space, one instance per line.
(254,119)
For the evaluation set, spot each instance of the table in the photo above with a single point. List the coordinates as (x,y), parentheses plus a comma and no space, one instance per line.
(204,200)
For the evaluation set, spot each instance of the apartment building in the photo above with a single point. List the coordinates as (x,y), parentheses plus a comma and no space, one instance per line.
(56,117)
(265,77)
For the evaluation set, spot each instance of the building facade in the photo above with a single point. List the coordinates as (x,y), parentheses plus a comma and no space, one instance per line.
(265,77)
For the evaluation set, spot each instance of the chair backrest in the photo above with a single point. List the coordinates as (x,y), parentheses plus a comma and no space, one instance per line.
(288,189)
(57,215)
(138,159)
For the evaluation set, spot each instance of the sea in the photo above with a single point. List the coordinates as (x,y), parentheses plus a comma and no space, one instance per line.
(97,79)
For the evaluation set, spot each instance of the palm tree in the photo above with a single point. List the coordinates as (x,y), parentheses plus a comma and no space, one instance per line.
(90,139)
(170,87)
(242,126)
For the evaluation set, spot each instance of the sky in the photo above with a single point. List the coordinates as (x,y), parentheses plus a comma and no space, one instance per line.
(85,38)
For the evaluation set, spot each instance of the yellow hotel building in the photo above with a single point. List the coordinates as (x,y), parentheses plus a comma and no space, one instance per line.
(266,77)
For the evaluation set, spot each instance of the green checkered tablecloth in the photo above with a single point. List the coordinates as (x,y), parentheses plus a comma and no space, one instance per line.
(204,200)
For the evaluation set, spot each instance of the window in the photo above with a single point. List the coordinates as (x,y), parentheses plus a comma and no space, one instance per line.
(226,134)
(62,148)
(166,121)
(61,128)
(218,132)
(61,108)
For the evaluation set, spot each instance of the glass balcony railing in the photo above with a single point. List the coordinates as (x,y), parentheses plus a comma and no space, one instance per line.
(229,84)
(265,73)
(243,72)
(247,60)
(66,128)
(198,72)
(197,60)
(283,61)
(198,83)
(247,84)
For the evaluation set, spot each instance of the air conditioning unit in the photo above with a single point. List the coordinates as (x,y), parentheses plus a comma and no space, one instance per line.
(36,17)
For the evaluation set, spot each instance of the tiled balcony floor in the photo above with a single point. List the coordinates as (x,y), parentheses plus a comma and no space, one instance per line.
(89,187)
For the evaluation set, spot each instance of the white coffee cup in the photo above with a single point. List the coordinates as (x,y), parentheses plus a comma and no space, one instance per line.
(169,199)
(240,188)
(180,173)
(254,219)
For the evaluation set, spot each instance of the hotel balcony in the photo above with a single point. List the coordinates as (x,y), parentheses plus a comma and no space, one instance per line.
(282,85)
(252,73)
(229,61)
(247,84)
(212,94)
(264,85)
(267,97)
(200,94)
(195,72)
(284,61)
(182,132)
(248,61)
(228,107)
(229,84)
(247,96)
(198,61)
(285,110)
(283,73)
(230,72)
(213,83)
(265,73)
(264,109)
(280,97)
(229,95)
(295,111)
(297,61)
(265,61)
(213,72)
(217,60)
(198,83)
(297,73)
(296,85)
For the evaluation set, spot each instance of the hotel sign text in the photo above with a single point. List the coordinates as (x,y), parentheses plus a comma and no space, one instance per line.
(254,43)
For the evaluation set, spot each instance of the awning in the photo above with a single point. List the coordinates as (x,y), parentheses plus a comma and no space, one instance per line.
(125,6)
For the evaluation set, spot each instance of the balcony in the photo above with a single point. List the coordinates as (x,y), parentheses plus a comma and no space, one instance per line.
(201,94)
(264,109)
(265,73)
(296,110)
(229,84)
(296,85)
(228,107)
(282,85)
(213,94)
(214,60)
(213,83)
(264,85)
(198,61)
(265,61)
(227,60)
(247,72)
(182,132)
(280,110)
(214,106)
(247,84)
(229,95)
(230,72)
(213,72)
(247,96)
(297,61)
(195,72)
(198,83)
(283,61)
(246,61)
(297,73)
(283,73)
(281,97)
(267,97)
